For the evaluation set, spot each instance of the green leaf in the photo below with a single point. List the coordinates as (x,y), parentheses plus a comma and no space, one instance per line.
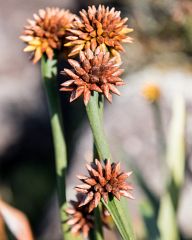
(97,233)
(119,214)
(167,221)
(176,142)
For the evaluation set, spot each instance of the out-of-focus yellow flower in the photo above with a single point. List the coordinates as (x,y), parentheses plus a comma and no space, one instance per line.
(151,92)
(46,32)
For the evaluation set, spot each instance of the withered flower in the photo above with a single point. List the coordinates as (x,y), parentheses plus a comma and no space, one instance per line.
(151,92)
(102,181)
(46,31)
(79,219)
(98,26)
(95,72)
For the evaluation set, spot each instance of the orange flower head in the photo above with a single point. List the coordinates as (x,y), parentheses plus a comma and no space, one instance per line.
(79,219)
(151,92)
(96,27)
(102,181)
(46,32)
(95,72)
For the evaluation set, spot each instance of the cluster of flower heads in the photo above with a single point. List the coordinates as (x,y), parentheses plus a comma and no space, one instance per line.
(103,181)
(95,37)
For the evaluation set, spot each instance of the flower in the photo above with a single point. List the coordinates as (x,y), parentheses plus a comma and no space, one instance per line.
(46,32)
(96,27)
(102,181)
(151,92)
(79,219)
(95,72)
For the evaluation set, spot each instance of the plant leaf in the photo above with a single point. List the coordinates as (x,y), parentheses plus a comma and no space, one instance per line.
(119,214)
(16,221)
(167,222)
(176,142)
(167,219)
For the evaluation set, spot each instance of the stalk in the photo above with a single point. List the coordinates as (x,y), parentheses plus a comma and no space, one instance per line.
(94,115)
(161,140)
(97,232)
(115,207)
(49,73)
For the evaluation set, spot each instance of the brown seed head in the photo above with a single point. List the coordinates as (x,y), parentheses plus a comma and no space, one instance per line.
(79,219)
(102,181)
(98,26)
(95,72)
(46,31)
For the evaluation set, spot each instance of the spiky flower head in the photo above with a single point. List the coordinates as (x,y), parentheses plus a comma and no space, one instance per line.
(96,71)
(98,26)
(79,219)
(102,181)
(46,31)
(151,92)
(82,221)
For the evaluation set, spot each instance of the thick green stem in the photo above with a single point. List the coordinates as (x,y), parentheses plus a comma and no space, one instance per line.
(97,232)
(94,115)
(114,207)
(49,72)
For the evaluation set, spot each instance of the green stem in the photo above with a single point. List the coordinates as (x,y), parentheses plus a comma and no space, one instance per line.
(97,232)
(115,207)
(159,128)
(94,115)
(49,72)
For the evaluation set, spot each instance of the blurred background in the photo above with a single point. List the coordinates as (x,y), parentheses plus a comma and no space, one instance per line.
(161,54)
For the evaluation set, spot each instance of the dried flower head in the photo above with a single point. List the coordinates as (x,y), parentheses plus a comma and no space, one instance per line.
(151,92)
(79,219)
(99,26)
(102,181)
(95,72)
(46,32)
